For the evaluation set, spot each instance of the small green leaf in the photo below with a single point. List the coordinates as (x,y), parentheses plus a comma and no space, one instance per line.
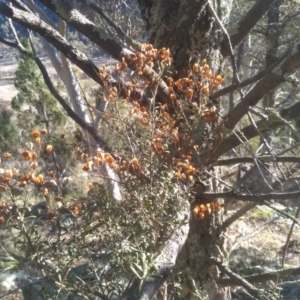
(139,289)
(135,272)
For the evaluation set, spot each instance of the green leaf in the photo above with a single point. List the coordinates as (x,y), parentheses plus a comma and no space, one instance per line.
(156,276)
(135,272)
(139,288)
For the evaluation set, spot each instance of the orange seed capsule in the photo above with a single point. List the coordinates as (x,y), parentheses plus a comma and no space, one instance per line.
(195,68)
(7,155)
(35,133)
(34,165)
(9,173)
(51,174)
(201,215)
(134,161)
(85,167)
(38,140)
(189,93)
(49,148)
(202,208)
(172,96)
(196,210)
(33,155)
(84,155)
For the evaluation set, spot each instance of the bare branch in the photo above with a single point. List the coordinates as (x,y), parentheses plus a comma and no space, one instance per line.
(95,33)
(292,112)
(88,127)
(282,212)
(237,215)
(235,73)
(248,132)
(290,65)
(41,13)
(288,238)
(245,25)
(237,160)
(248,81)
(32,22)
(259,198)
(122,35)
(237,278)
(261,277)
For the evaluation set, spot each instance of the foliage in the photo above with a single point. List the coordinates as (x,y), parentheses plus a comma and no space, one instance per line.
(133,231)
(34,98)
(167,138)
(8,130)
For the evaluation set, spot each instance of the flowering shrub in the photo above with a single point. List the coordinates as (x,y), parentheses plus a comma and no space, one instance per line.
(155,158)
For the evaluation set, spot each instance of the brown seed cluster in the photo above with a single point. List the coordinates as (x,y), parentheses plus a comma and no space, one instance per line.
(200,210)
(200,81)
(97,160)
(4,210)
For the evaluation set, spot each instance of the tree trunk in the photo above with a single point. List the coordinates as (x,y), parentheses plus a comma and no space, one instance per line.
(204,241)
(191,39)
(186,28)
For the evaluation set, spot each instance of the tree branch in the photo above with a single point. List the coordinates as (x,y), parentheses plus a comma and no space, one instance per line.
(275,275)
(252,197)
(248,81)
(238,160)
(88,127)
(292,112)
(121,34)
(96,35)
(245,25)
(34,23)
(237,278)
(237,215)
(42,14)
(231,141)
(287,243)
(290,65)
(165,262)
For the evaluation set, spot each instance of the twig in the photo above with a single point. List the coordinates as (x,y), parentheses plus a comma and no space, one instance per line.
(260,134)
(10,292)
(63,103)
(237,278)
(248,159)
(218,179)
(258,198)
(288,238)
(235,73)
(289,149)
(282,212)
(253,79)
(275,275)
(250,234)
(111,23)
(237,215)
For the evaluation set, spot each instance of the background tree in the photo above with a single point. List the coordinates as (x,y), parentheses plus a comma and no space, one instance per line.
(192,32)
(33,92)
